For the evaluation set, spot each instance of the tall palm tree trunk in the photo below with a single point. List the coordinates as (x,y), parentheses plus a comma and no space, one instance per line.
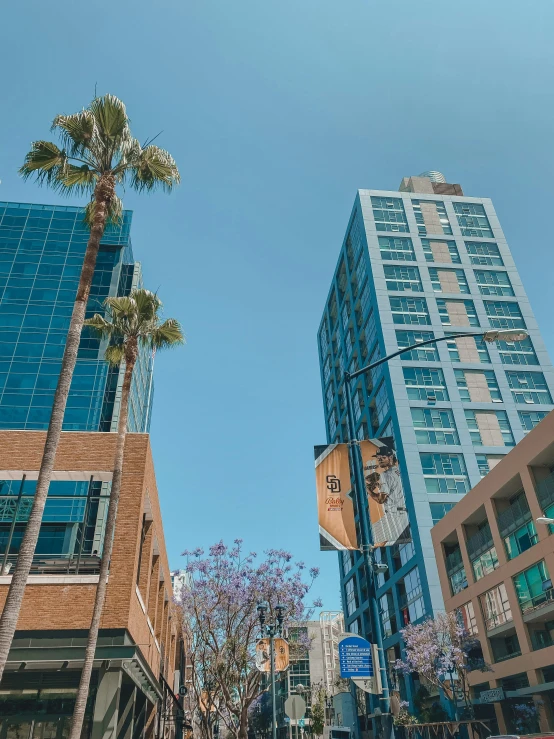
(84,684)
(104,191)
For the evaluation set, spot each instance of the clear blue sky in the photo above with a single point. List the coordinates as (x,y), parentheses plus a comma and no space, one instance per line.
(276,112)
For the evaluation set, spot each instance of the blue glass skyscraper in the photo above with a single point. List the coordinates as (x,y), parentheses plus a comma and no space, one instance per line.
(420,263)
(41,254)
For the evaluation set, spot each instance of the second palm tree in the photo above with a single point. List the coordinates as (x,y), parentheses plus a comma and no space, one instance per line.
(130,323)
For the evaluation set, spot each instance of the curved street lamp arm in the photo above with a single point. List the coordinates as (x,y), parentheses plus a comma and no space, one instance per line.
(363,370)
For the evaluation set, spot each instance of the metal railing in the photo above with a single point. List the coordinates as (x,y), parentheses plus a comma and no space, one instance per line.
(514,517)
(479,542)
(454,561)
(536,602)
(504,657)
(56,564)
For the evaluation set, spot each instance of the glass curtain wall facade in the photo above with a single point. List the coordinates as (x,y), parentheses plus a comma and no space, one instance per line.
(41,254)
(414,267)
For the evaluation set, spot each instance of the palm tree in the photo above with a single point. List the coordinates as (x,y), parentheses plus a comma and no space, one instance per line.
(130,322)
(98,153)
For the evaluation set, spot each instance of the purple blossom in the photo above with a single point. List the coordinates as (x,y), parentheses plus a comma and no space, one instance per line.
(318,603)
(314,571)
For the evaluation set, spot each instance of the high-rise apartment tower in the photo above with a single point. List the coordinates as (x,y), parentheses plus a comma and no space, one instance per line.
(426,262)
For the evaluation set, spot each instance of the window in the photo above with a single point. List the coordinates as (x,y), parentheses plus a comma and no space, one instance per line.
(406,552)
(324,342)
(489,428)
(473,220)
(478,386)
(380,407)
(439,510)
(440,251)
(533,586)
(425,383)
(493,283)
(351,597)
(410,310)
(517,352)
(370,332)
(502,314)
(411,596)
(329,397)
(327,369)
(448,280)
(458,581)
(528,387)
(521,540)
(457,312)
(467,617)
(486,462)
(468,349)
(364,299)
(434,426)
(332,424)
(529,419)
(496,607)
(71,533)
(444,473)
(389,214)
(431,217)
(399,249)
(403,278)
(485,563)
(347,561)
(388,618)
(484,254)
(409,338)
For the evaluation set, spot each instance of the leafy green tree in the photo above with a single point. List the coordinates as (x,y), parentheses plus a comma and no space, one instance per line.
(98,153)
(318,714)
(130,322)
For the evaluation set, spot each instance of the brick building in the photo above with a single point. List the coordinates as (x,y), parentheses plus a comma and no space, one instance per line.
(140,654)
(496,564)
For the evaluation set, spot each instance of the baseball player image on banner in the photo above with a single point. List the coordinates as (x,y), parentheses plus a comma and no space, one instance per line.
(385,494)
(335,508)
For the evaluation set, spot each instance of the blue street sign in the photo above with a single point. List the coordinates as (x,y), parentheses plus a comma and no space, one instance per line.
(355,657)
(301,723)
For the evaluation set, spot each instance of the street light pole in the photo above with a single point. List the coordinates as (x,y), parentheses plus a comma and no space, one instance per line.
(272,630)
(357,469)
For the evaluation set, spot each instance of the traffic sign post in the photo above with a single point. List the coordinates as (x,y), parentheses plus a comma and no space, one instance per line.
(295,707)
(355,657)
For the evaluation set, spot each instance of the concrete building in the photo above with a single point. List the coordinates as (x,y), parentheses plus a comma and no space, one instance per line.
(313,670)
(425,262)
(139,659)
(496,565)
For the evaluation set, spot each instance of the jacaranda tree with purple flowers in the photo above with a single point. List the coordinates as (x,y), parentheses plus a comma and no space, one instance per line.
(220,618)
(443,652)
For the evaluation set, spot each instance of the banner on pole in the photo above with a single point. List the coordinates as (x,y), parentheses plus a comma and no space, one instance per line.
(385,493)
(337,529)
(263,655)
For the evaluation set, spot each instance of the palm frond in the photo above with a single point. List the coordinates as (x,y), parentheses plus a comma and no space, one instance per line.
(154,168)
(120,306)
(115,211)
(111,118)
(115,354)
(166,335)
(77,132)
(100,326)
(46,162)
(148,304)
(82,179)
